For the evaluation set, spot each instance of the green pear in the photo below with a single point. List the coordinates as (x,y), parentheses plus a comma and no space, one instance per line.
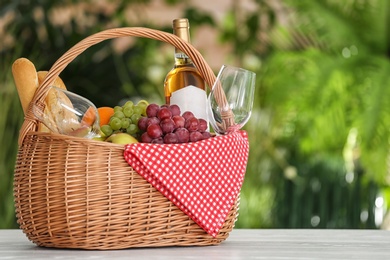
(99,138)
(121,138)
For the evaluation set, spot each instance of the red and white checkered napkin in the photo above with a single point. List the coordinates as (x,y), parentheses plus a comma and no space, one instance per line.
(202,178)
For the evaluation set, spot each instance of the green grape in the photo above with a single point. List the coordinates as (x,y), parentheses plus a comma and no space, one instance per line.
(138,110)
(143,104)
(106,129)
(119,114)
(132,129)
(115,123)
(128,104)
(117,108)
(135,118)
(128,111)
(125,123)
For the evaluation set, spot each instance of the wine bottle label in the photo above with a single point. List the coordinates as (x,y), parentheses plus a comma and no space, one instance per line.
(191,99)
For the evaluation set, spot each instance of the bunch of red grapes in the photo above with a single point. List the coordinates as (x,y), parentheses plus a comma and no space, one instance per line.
(166,125)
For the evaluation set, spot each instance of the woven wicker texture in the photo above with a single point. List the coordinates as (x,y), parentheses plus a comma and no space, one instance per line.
(76,193)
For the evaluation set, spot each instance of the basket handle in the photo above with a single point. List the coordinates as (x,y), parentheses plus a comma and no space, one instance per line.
(31,123)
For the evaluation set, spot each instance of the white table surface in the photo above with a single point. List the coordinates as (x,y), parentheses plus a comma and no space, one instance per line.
(241,244)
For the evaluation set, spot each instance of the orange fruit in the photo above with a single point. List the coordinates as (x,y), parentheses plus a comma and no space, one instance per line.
(89,117)
(105,113)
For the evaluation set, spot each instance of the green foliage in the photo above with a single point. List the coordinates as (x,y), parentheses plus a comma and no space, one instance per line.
(10,121)
(326,93)
(322,80)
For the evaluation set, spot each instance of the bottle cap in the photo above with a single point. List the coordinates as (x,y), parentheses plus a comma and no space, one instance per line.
(181,23)
(181,28)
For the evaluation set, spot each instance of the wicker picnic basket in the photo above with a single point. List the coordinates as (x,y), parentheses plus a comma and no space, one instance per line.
(73,192)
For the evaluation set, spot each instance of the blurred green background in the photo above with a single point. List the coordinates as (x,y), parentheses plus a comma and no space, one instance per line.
(319,132)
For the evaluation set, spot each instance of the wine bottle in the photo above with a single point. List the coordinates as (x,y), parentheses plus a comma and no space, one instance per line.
(184,85)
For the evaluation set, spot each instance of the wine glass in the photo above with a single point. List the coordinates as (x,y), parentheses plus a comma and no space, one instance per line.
(69,114)
(230,101)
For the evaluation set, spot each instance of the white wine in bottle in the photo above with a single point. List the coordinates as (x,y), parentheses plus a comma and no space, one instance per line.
(184,85)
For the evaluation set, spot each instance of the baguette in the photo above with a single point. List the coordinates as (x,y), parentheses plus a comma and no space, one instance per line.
(26,81)
(57,83)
